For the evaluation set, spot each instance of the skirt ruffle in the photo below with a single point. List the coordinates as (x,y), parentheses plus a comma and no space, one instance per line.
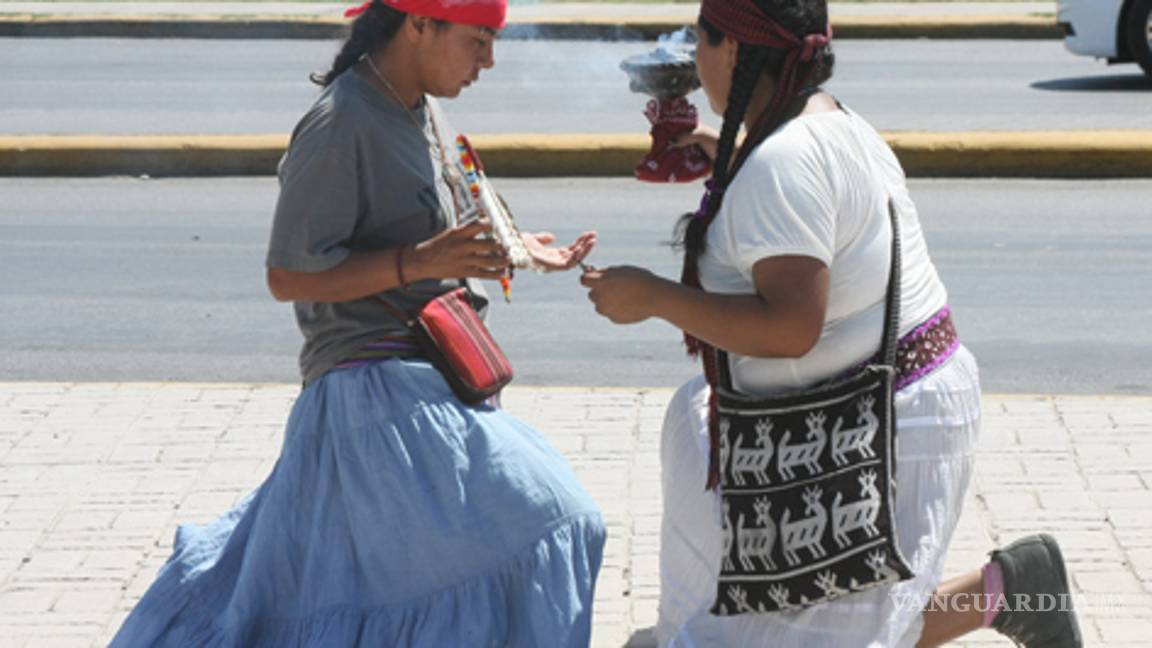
(395,516)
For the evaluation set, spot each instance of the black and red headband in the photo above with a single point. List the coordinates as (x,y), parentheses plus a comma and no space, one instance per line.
(744,22)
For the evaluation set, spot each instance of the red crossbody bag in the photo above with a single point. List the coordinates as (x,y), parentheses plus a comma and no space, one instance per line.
(455,340)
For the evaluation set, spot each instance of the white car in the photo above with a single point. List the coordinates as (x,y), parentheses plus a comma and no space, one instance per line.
(1117,30)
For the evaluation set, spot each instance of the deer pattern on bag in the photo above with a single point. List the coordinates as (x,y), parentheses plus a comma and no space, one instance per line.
(752,461)
(757,542)
(859,438)
(857,515)
(806,503)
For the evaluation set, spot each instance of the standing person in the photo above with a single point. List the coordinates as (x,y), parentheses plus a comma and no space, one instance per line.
(396,515)
(786,269)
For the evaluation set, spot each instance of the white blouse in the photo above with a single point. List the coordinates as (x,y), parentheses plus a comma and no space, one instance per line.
(819,187)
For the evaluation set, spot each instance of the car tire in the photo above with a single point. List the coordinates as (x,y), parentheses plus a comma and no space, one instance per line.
(1139,31)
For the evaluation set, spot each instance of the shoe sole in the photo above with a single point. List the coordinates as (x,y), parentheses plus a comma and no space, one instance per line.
(1053,548)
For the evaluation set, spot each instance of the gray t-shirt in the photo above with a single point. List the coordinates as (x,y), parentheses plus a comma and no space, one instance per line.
(359,175)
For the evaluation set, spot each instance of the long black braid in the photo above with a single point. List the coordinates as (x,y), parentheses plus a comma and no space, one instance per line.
(750,63)
(371,30)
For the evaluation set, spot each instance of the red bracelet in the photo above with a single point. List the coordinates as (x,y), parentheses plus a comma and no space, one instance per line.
(400,267)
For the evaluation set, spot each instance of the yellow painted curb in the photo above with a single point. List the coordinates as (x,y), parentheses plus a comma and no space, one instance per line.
(555,155)
(214,155)
(606,28)
(1047,154)
(1053,154)
(169,155)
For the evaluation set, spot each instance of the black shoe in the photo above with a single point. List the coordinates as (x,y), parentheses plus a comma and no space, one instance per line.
(1033,566)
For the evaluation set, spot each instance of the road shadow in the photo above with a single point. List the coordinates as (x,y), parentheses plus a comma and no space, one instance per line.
(644,638)
(1109,83)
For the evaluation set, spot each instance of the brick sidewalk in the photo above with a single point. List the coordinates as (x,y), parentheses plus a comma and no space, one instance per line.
(94,478)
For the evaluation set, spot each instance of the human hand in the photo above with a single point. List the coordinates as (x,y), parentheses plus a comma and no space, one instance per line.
(705,137)
(458,252)
(550,259)
(623,294)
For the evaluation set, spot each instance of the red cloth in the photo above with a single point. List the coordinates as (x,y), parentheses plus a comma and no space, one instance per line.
(669,118)
(485,13)
(744,22)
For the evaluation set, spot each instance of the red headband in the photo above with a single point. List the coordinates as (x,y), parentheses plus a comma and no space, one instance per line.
(483,13)
(744,22)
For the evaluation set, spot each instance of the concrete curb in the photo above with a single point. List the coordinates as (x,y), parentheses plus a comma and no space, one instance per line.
(1017,154)
(627,28)
(1003,154)
(157,155)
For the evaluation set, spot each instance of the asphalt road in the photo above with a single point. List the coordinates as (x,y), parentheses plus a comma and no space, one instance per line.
(108,86)
(127,279)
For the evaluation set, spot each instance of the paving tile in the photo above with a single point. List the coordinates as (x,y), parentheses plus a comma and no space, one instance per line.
(94,478)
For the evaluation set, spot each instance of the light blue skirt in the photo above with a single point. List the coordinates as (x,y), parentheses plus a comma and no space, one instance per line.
(395,516)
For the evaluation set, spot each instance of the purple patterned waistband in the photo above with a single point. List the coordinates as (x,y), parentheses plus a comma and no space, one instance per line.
(922,350)
(926,348)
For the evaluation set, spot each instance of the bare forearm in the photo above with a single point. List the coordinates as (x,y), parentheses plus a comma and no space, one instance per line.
(454,252)
(360,275)
(782,319)
(744,324)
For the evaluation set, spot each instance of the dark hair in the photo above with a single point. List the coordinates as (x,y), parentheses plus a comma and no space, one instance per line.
(371,30)
(753,61)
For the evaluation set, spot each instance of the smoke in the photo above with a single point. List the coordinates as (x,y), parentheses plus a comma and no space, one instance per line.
(676,47)
(684,37)
(547,84)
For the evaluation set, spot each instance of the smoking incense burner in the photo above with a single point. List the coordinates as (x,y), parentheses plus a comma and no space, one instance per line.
(668,75)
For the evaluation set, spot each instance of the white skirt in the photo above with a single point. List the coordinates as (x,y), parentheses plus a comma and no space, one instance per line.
(939,422)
